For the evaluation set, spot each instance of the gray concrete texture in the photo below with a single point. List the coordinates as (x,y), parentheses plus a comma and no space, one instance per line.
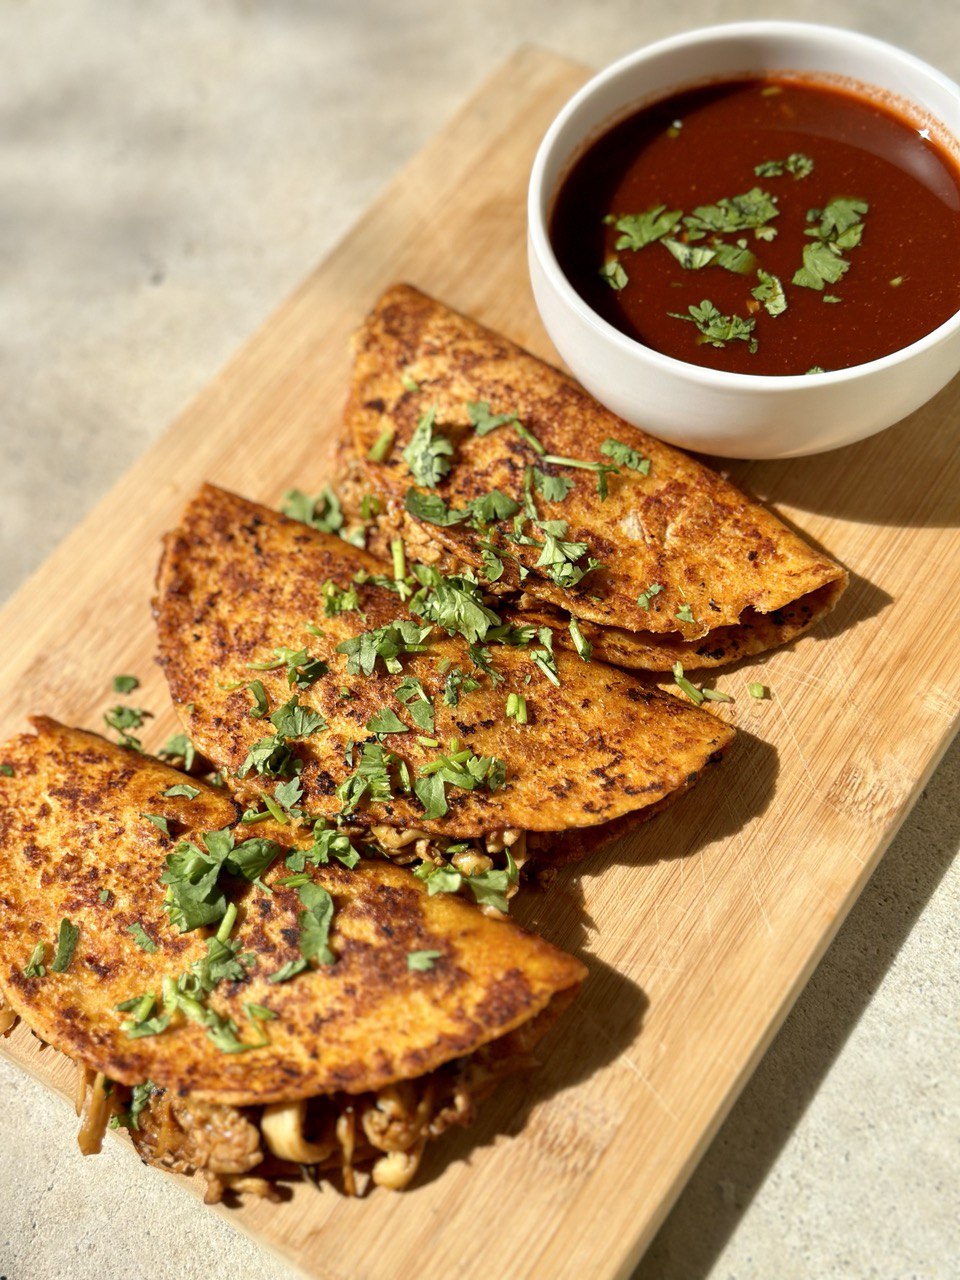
(169,172)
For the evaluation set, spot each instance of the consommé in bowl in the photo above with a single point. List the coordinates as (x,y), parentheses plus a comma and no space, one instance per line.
(714,410)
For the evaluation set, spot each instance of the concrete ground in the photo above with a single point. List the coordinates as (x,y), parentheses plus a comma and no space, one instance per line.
(168,173)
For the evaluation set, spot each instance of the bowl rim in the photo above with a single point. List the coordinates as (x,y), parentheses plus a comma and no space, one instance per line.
(539,238)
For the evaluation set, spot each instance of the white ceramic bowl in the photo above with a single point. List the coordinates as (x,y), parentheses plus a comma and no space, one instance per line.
(731,414)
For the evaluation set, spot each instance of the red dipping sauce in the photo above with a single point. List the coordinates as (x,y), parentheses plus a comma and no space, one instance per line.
(838,221)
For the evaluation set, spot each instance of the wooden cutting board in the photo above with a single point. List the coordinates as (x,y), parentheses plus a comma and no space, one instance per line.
(700,930)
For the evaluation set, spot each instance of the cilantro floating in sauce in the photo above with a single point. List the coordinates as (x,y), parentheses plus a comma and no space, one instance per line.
(770,292)
(797,164)
(614,274)
(640,229)
(716,328)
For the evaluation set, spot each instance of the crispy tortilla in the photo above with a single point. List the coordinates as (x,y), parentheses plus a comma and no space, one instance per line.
(237,581)
(72,827)
(748,582)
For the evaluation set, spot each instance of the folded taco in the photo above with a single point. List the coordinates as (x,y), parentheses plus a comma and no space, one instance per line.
(251,1002)
(658,557)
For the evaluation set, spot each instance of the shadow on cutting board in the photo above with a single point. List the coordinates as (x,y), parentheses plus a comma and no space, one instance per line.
(603,1021)
(774,1101)
(906,476)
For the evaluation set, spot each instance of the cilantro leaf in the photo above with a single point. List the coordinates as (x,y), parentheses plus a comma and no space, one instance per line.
(35,968)
(125,684)
(371,777)
(158,821)
(428,454)
(260,705)
(821,265)
(456,604)
(141,937)
(612,271)
(411,693)
(753,209)
(624,456)
(386,721)
(684,685)
(385,643)
(553,488)
(432,509)
(130,1119)
(66,943)
(716,328)
(322,512)
(422,961)
(770,292)
(644,598)
(315,921)
(640,229)
(180,747)
(293,720)
(692,257)
(583,647)
(183,789)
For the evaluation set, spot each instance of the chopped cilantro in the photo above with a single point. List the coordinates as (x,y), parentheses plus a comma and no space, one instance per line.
(640,229)
(411,693)
(553,488)
(104,895)
(125,684)
(6,770)
(822,264)
(66,942)
(35,968)
(644,598)
(753,209)
(260,705)
(302,670)
(288,971)
(422,961)
(684,685)
(428,454)
(380,449)
(757,690)
(159,822)
(322,512)
(371,777)
(455,603)
(796,163)
(180,747)
(293,720)
(385,643)
(692,257)
(409,383)
(516,708)
(716,328)
(583,647)
(624,456)
(337,600)
(130,1119)
(386,721)
(685,614)
(456,684)
(770,292)
(122,719)
(183,789)
(315,921)
(612,271)
(141,937)
(460,769)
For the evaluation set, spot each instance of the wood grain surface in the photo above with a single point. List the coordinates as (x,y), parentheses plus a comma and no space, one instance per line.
(702,928)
